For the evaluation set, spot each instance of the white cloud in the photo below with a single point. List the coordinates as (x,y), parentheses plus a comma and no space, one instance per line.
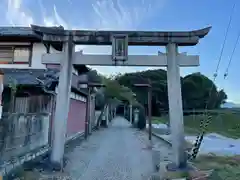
(105,14)
(16,15)
(59,19)
(119,15)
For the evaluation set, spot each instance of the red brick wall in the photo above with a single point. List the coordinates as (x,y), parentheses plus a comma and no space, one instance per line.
(76,117)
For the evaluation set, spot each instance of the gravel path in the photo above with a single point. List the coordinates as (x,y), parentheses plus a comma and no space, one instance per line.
(116,153)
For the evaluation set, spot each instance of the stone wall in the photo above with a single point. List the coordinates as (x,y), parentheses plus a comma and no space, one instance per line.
(21,133)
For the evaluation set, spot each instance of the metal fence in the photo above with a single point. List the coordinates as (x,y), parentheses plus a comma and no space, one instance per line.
(22,132)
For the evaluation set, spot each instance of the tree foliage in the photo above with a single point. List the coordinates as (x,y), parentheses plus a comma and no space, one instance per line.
(114,90)
(113,93)
(198,91)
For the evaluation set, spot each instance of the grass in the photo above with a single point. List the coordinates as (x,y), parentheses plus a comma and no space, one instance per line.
(212,166)
(158,120)
(226,124)
(225,167)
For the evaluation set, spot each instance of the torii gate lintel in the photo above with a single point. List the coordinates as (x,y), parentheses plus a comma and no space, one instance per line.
(135,38)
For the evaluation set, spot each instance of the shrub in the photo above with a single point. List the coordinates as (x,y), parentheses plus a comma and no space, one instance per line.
(142,118)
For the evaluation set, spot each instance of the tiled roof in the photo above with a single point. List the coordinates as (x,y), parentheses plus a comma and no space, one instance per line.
(22,31)
(25,76)
(23,34)
(16,31)
(36,77)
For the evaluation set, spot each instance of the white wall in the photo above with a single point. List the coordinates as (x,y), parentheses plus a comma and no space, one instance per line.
(36,62)
(38,50)
(15,66)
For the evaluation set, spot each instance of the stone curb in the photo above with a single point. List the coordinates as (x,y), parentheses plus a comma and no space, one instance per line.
(163,139)
(8,166)
(166,141)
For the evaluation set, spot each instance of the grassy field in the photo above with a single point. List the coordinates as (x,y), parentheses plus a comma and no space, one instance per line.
(212,166)
(226,168)
(225,123)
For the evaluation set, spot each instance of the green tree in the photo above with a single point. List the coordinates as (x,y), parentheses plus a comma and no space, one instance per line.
(113,90)
(158,80)
(198,91)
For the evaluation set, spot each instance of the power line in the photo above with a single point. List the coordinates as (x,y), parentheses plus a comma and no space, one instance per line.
(221,53)
(231,57)
(205,121)
(224,42)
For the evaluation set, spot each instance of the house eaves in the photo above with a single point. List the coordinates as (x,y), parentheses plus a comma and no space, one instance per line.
(25,34)
(45,78)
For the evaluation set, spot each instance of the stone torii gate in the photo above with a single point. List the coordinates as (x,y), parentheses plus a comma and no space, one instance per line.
(120,40)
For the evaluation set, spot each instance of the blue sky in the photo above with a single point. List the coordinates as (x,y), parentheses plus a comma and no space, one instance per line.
(142,15)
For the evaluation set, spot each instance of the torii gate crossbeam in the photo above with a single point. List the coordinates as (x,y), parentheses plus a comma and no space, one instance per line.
(120,40)
(133,60)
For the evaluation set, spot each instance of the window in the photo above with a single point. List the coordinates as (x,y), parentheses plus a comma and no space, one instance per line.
(6,55)
(14,55)
(21,55)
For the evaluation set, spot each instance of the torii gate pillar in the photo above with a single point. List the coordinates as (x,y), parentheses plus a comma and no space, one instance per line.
(62,105)
(175,106)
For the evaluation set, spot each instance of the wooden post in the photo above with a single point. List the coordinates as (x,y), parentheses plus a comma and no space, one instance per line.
(150,112)
(87,113)
(1,91)
(131,114)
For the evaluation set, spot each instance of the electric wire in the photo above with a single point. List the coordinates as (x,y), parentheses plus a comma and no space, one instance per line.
(206,120)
